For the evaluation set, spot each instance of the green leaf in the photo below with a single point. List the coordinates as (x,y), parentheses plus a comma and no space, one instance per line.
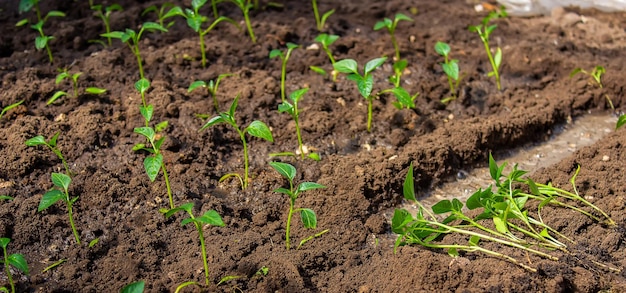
(408,188)
(498,58)
(61,180)
(400,16)
(114,35)
(260,130)
(286,170)
(212,218)
(6,197)
(473,202)
(35,141)
(326,15)
(22,22)
(55,13)
(148,132)
(493,169)
(153,26)
(451,69)
(365,85)
(9,107)
(473,241)
(304,186)
(26,5)
(186,207)
(292,46)
(286,107)
(453,252)
(442,48)
(404,98)
(95,90)
(55,97)
(276,53)
(297,95)
(457,205)
(346,66)
(379,25)
(158,143)
(42,42)
(373,64)
(620,121)
(53,141)
(19,262)
(400,219)
(142,85)
(93,242)
(213,121)
(501,225)
(315,157)
(187,221)
(152,164)
(194,85)
(50,198)
(161,126)
(442,207)
(194,21)
(136,287)
(146,112)
(308,218)
(4,242)
(60,77)
(284,191)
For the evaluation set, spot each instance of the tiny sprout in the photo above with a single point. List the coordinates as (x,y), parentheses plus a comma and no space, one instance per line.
(256,128)
(42,40)
(208,218)
(320,22)
(135,287)
(404,99)
(391,25)
(450,68)
(306,215)
(132,38)
(283,72)
(54,265)
(365,82)
(161,14)
(484,30)
(63,75)
(211,87)
(15,260)
(195,21)
(326,40)
(244,6)
(596,75)
(293,111)
(106,15)
(52,145)
(60,192)
(9,107)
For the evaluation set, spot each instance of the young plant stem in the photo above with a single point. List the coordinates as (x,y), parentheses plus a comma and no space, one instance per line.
(288,228)
(204,254)
(70,214)
(7,269)
(496,73)
(249,26)
(167,185)
(242,135)
(370,102)
(299,136)
(317,15)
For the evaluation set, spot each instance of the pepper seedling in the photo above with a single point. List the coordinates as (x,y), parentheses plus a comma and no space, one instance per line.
(52,145)
(293,111)
(195,21)
(308,217)
(104,13)
(9,107)
(256,128)
(391,25)
(484,31)
(320,21)
(326,40)
(132,38)
(596,76)
(244,6)
(60,192)
(63,75)
(364,82)
(162,16)
(211,87)
(450,68)
(283,71)
(42,41)
(15,260)
(208,218)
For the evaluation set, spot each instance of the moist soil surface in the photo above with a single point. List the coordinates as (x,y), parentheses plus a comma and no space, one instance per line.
(363,171)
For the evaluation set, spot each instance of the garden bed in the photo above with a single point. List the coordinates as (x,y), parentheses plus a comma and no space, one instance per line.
(363,171)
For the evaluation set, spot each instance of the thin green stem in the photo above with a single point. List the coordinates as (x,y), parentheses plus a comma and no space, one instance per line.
(7,268)
(493,62)
(299,136)
(245,157)
(249,26)
(370,101)
(69,212)
(107,27)
(214,7)
(204,254)
(167,184)
(317,15)
(283,77)
(60,156)
(137,53)
(395,46)
(288,228)
(484,250)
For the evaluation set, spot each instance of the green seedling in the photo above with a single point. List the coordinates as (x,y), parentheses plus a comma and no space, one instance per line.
(211,87)
(132,38)
(596,76)
(161,13)
(398,68)
(9,107)
(484,31)
(364,82)
(60,192)
(404,99)
(52,145)
(326,40)
(450,68)
(244,6)
(63,75)
(15,260)
(135,287)
(104,13)
(320,22)
(391,25)
(195,21)
(154,162)
(309,220)
(283,71)
(208,218)
(293,111)
(142,86)
(256,128)
(42,41)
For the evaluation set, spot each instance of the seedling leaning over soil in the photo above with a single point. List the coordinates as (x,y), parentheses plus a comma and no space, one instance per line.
(309,220)
(391,25)
(208,218)
(63,75)
(283,69)
(293,111)
(105,15)
(450,68)
(484,30)
(42,40)
(52,145)
(161,14)
(60,192)
(364,82)
(256,128)
(596,75)
(326,40)
(195,21)
(211,87)
(320,22)
(9,107)
(132,38)
(15,260)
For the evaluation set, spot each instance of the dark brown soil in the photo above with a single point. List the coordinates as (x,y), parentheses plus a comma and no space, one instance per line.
(363,171)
